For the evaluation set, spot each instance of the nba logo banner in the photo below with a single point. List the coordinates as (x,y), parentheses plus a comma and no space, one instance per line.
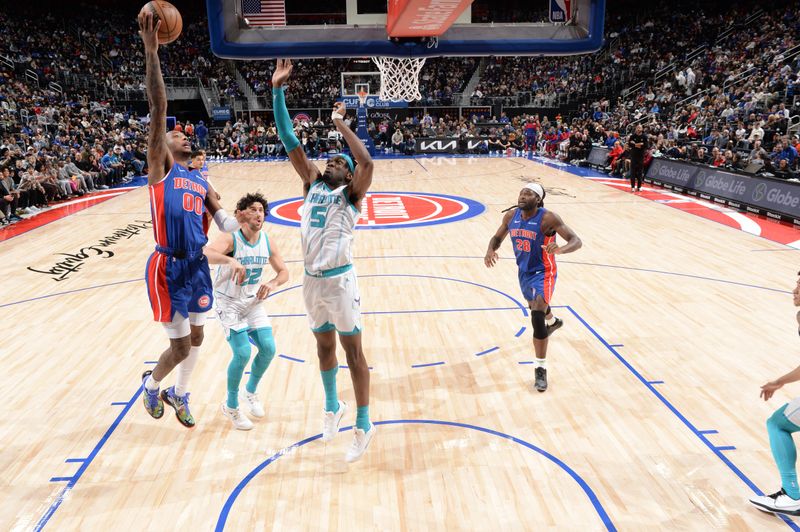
(560,10)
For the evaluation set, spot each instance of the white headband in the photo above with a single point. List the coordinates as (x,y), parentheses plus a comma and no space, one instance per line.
(537,188)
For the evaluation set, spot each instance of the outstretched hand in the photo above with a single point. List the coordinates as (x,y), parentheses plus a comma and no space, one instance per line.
(283,69)
(148,29)
(768,389)
(339,108)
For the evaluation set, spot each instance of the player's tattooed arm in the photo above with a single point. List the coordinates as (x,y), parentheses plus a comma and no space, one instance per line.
(159,160)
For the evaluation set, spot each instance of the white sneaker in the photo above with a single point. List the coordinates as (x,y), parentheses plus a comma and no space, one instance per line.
(777,502)
(331,420)
(252,402)
(361,440)
(239,420)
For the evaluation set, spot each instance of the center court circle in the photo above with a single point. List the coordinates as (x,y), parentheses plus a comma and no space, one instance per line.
(391,210)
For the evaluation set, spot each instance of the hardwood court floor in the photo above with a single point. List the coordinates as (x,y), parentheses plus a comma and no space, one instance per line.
(652,419)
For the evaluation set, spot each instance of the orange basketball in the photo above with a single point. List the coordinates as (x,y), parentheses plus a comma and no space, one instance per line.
(170,17)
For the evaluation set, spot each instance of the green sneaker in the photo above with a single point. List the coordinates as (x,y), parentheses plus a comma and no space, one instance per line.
(180,404)
(152,402)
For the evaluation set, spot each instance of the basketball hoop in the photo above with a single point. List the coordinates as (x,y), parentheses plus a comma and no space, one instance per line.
(400,77)
(362,96)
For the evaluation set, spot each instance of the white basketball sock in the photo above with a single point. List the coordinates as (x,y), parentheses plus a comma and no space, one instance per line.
(540,363)
(185,369)
(150,383)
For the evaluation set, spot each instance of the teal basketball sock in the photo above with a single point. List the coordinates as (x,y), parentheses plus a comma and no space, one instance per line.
(266,352)
(362,418)
(241,354)
(784,452)
(329,383)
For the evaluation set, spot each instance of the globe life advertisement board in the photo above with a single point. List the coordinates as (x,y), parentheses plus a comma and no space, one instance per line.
(764,195)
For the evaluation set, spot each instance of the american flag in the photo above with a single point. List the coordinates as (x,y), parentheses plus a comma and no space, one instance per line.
(264,12)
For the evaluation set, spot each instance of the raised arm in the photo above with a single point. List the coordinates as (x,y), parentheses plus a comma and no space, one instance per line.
(552,222)
(494,243)
(362,178)
(159,159)
(306,169)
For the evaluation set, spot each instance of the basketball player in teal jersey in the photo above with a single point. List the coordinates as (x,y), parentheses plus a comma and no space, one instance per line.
(533,232)
(780,427)
(238,304)
(331,208)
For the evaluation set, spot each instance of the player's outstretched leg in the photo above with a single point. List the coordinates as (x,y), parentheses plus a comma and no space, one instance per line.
(329,367)
(241,354)
(265,343)
(364,430)
(787,500)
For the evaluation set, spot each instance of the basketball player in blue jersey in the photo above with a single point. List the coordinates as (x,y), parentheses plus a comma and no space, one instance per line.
(238,305)
(784,422)
(177,274)
(331,208)
(533,232)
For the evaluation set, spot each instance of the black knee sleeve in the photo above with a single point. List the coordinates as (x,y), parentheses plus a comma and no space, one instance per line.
(539,325)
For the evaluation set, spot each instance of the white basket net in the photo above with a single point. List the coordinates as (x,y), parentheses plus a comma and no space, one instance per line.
(400,77)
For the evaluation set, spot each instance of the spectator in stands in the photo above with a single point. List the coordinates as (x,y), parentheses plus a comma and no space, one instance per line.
(397,141)
(784,170)
(786,152)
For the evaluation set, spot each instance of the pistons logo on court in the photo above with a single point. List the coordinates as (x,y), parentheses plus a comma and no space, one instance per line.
(204,301)
(391,210)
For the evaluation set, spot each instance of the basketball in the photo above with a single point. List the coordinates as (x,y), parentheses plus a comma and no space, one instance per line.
(170,17)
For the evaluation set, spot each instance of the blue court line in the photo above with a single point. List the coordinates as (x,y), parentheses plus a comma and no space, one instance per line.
(151,361)
(701,435)
(75,460)
(709,431)
(348,367)
(287,357)
(601,512)
(495,348)
(118,403)
(519,333)
(617,345)
(71,481)
(525,362)
(61,479)
(725,448)
(652,382)
(427,365)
